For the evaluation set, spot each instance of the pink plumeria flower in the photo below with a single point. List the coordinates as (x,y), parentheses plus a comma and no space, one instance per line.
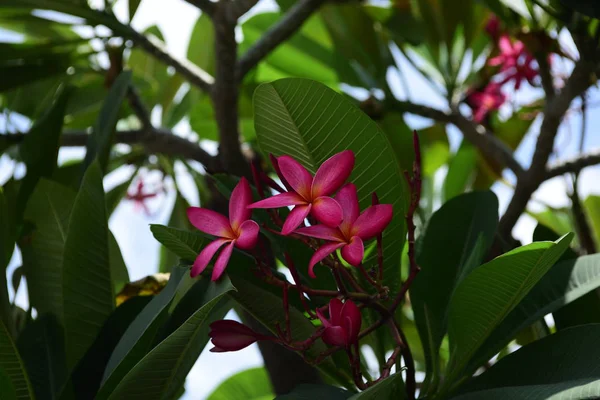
(228,335)
(310,195)
(515,62)
(353,230)
(239,231)
(343,326)
(483,102)
(139,197)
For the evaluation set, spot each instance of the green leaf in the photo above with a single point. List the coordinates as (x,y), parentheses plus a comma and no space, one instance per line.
(391,387)
(167,364)
(443,255)
(118,270)
(12,365)
(42,348)
(177,220)
(49,209)
(116,194)
(460,170)
(312,391)
(87,376)
(100,140)
(474,313)
(133,6)
(566,282)
(559,366)
(199,52)
(311,122)
(87,284)
(184,244)
(39,150)
(251,384)
(592,208)
(140,335)
(6,386)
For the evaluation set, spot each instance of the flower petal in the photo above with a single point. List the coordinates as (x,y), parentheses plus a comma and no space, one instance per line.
(296,175)
(240,199)
(351,312)
(206,255)
(210,222)
(327,211)
(332,174)
(348,200)
(222,261)
(354,252)
(323,319)
(248,235)
(295,218)
(279,200)
(372,221)
(320,254)
(322,232)
(335,311)
(335,336)
(275,164)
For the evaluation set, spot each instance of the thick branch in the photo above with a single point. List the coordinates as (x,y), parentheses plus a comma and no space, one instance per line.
(491,147)
(574,165)
(555,109)
(153,140)
(287,25)
(225,94)
(206,6)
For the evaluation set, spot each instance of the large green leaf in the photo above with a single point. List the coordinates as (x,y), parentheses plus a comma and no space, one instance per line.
(560,366)
(592,208)
(87,284)
(391,387)
(163,370)
(39,150)
(12,365)
(460,171)
(251,384)
(566,282)
(100,140)
(87,376)
(184,244)
(140,335)
(443,255)
(311,122)
(49,209)
(313,391)
(487,296)
(42,348)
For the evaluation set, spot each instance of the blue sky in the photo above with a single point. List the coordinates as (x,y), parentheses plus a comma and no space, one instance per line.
(140,250)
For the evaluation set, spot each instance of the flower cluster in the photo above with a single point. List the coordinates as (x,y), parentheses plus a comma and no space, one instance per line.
(515,64)
(326,216)
(140,196)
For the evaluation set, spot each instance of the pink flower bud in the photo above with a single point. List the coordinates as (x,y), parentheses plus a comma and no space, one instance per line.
(229,335)
(343,326)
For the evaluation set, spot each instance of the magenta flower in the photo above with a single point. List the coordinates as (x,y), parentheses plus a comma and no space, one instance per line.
(139,197)
(343,326)
(515,62)
(310,195)
(239,231)
(228,335)
(353,230)
(483,102)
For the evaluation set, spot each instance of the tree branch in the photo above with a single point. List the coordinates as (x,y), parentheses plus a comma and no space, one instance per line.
(225,94)
(574,165)
(206,6)
(491,147)
(554,111)
(154,141)
(139,109)
(287,25)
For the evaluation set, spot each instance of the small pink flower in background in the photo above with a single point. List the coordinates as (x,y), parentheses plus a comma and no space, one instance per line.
(239,231)
(343,326)
(309,195)
(483,102)
(228,335)
(493,27)
(515,62)
(353,230)
(139,197)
